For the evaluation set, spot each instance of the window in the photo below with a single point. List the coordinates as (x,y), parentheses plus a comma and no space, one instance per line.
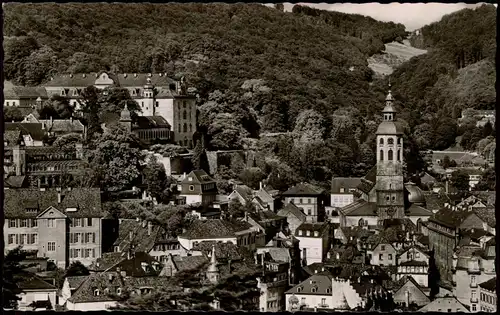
(314,290)
(390,141)
(76,237)
(51,223)
(191,188)
(399,140)
(300,232)
(308,200)
(34,222)
(303,301)
(7,103)
(309,211)
(473,294)
(11,238)
(474,307)
(382,247)
(399,155)
(89,221)
(308,233)
(185,128)
(381,141)
(390,155)
(51,246)
(390,256)
(381,155)
(12,223)
(96,292)
(77,222)
(316,233)
(381,256)
(417,255)
(473,280)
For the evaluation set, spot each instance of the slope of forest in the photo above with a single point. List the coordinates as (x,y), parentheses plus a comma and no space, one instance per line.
(430,80)
(394,55)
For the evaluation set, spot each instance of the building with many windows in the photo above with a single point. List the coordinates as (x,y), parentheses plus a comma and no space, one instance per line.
(62,225)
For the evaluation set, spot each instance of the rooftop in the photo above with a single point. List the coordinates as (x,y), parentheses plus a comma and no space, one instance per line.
(291,209)
(304,189)
(490,285)
(215,229)
(346,183)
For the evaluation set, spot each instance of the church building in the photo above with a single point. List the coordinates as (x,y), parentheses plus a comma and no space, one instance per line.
(382,192)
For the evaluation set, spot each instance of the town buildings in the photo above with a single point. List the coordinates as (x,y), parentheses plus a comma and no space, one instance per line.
(488,296)
(198,187)
(309,199)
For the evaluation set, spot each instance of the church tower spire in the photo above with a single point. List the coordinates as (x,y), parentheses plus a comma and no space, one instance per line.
(389,185)
(213,270)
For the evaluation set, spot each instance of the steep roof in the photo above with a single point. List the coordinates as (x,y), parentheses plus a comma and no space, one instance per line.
(12,137)
(107,260)
(86,200)
(344,182)
(360,208)
(490,285)
(487,215)
(445,303)
(426,179)
(404,280)
(304,189)
(16,181)
(214,229)
(222,250)
(75,281)
(31,281)
(321,282)
(183,263)
(369,180)
(20,92)
(291,209)
(150,122)
(449,218)
(98,281)
(33,129)
(313,227)
(134,267)
(199,177)
(415,210)
(244,191)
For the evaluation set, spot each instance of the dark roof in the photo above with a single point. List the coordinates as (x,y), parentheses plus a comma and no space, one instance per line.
(415,210)
(216,228)
(32,282)
(449,218)
(426,179)
(368,181)
(360,208)
(222,250)
(405,279)
(97,281)
(25,92)
(33,129)
(490,285)
(344,182)
(306,226)
(183,263)
(134,266)
(123,80)
(63,125)
(244,191)
(150,122)
(87,200)
(316,268)
(198,177)
(304,189)
(486,214)
(106,261)
(76,281)
(434,201)
(413,263)
(290,208)
(347,254)
(321,282)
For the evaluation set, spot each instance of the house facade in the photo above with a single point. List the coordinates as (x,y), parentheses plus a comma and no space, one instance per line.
(198,187)
(343,191)
(64,226)
(488,296)
(310,199)
(410,293)
(314,241)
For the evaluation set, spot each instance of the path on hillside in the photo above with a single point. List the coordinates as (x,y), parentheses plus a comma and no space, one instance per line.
(394,55)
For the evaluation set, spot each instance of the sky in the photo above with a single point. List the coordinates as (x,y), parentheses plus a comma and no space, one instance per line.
(412,15)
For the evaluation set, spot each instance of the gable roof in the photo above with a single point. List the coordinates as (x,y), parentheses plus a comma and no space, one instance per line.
(185,263)
(215,229)
(75,281)
(490,285)
(486,214)
(97,281)
(222,250)
(22,92)
(416,210)
(407,279)
(304,189)
(87,200)
(291,209)
(344,182)
(33,129)
(133,266)
(244,191)
(198,177)
(264,195)
(16,181)
(313,227)
(321,282)
(445,303)
(12,137)
(449,218)
(30,281)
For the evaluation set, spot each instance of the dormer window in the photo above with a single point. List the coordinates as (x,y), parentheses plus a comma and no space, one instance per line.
(96,292)
(63,92)
(342,189)
(300,232)
(299,289)
(316,233)
(314,289)
(191,188)
(308,233)
(329,290)
(31,210)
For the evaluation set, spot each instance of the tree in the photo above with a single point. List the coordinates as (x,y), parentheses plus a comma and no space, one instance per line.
(77,269)
(446,162)
(444,134)
(310,125)
(487,129)
(89,106)
(60,105)
(252,177)
(226,133)
(12,114)
(115,159)
(12,274)
(67,142)
(155,176)
(423,136)
(487,181)
(460,180)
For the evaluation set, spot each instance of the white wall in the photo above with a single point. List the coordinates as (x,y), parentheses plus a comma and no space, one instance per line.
(310,300)
(341,200)
(314,249)
(190,199)
(92,306)
(354,220)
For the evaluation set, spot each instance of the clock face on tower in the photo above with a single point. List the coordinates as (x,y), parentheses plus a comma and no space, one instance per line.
(390,211)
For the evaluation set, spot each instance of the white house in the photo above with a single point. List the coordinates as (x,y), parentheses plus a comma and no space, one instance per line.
(314,241)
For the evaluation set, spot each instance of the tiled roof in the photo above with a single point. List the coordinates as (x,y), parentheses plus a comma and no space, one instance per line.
(207,229)
(76,281)
(19,92)
(150,122)
(266,215)
(316,268)
(143,242)
(490,285)
(33,129)
(87,200)
(487,214)
(360,208)
(63,125)
(401,282)
(222,250)
(62,163)
(449,218)
(347,254)
(344,182)
(448,302)
(106,261)
(130,80)
(134,266)
(426,179)
(244,191)
(32,282)
(264,195)
(280,254)
(183,263)
(313,227)
(97,281)
(435,201)
(15,181)
(320,282)
(413,263)
(12,137)
(423,239)
(290,208)
(303,189)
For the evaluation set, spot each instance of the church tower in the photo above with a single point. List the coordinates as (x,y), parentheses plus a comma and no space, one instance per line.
(389,184)
(213,271)
(125,119)
(148,101)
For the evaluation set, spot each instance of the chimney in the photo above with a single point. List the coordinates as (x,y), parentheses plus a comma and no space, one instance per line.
(137,219)
(407,295)
(59,197)
(446,186)
(51,120)
(110,277)
(260,184)
(71,75)
(124,75)
(150,228)
(71,119)
(131,235)
(144,222)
